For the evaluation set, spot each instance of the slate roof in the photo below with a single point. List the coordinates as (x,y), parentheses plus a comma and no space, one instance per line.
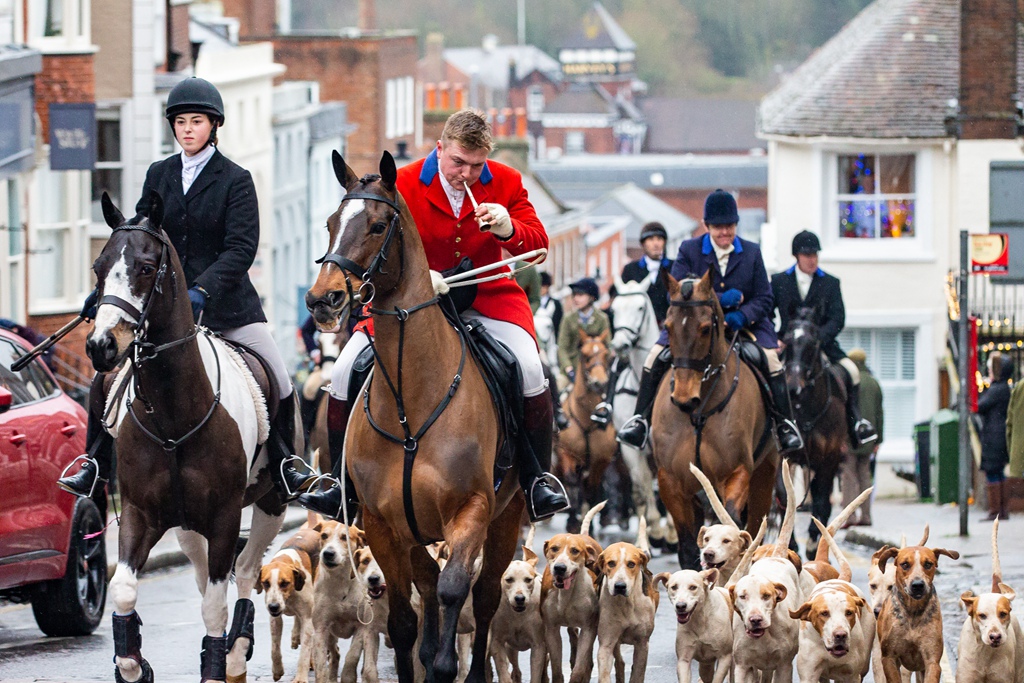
(679,125)
(582,98)
(599,30)
(889,73)
(492,64)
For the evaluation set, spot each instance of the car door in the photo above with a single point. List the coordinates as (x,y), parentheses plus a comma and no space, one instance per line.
(16,449)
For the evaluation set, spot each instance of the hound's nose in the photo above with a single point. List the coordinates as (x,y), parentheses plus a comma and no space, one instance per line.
(878,610)
(917,588)
(756,622)
(995,639)
(840,637)
(274,608)
(709,555)
(520,600)
(559,569)
(328,556)
(620,588)
(373,580)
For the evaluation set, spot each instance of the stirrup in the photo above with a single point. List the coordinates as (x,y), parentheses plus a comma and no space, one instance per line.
(601,418)
(529,498)
(635,420)
(313,489)
(786,422)
(85,458)
(873,436)
(284,480)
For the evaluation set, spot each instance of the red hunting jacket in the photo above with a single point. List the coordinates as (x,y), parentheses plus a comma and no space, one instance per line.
(448,239)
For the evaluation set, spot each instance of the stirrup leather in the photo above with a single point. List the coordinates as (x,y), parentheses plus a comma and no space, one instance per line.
(84,458)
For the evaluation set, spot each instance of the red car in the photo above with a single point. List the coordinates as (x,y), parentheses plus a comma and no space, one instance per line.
(52,550)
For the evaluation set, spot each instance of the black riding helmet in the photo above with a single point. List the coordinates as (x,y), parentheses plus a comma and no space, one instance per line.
(653,229)
(806,242)
(196,96)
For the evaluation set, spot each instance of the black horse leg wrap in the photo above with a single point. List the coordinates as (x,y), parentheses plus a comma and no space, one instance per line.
(213,662)
(242,624)
(127,636)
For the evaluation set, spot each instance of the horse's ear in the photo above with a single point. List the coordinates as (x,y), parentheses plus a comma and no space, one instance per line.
(388,171)
(673,285)
(342,171)
(706,280)
(111,214)
(156,210)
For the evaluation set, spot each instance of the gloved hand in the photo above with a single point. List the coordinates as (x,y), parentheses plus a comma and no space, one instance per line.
(198,299)
(90,305)
(731,298)
(495,218)
(736,320)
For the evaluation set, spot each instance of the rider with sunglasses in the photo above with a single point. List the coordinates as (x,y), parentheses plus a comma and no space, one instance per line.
(212,219)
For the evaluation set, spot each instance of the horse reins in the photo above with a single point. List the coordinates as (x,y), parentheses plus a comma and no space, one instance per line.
(808,425)
(409,441)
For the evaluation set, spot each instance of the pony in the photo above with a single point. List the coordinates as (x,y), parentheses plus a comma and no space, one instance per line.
(819,406)
(426,404)
(585,449)
(636,331)
(188,423)
(709,411)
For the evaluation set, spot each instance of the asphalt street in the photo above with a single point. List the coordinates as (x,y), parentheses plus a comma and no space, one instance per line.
(169,605)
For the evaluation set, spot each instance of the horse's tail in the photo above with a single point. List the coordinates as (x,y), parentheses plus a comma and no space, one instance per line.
(587,518)
(744,566)
(845,573)
(840,520)
(716,503)
(786,532)
(997,570)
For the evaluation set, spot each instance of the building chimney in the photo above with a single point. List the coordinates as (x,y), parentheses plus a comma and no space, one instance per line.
(988,69)
(433,58)
(367,15)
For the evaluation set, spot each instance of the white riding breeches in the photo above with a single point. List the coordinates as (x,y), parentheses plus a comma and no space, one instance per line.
(519,341)
(851,368)
(772,356)
(257,337)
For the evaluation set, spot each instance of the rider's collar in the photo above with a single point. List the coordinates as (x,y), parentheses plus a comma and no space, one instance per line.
(429,170)
(706,248)
(792,271)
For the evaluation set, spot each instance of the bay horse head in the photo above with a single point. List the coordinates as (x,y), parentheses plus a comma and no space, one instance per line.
(594,362)
(130,276)
(803,351)
(364,256)
(694,323)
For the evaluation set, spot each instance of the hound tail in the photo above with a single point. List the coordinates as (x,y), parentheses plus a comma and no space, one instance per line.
(840,520)
(845,573)
(528,543)
(786,531)
(997,570)
(587,518)
(924,538)
(716,503)
(641,537)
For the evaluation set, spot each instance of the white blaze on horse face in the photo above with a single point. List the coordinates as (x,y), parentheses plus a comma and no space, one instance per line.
(353,208)
(117,284)
(797,333)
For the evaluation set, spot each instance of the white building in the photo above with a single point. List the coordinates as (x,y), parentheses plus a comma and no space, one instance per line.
(305,193)
(869,149)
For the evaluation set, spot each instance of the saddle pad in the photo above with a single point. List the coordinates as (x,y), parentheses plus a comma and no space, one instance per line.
(240,394)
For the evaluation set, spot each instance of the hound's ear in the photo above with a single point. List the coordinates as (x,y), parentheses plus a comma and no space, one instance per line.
(300,579)
(259,582)
(357,535)
(745,540)
(111,214)
(529,557)
(878,554)
(732,595)
(803,612)
(662,577)
(1007,592)
(710,577)
(970,602)
(388,171)
(594,559)
(342,171)
(700,536)
(780,592)
(885,555)
(156,210)
(547,544)
(598,564)
(952,554)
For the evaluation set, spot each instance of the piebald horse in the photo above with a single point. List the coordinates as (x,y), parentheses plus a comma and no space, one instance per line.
(709,412)
(426,405)
(187,430)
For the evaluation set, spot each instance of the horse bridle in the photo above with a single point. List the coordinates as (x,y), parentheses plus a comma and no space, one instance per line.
(378,262)
(810,377)
(140,316)
(701,364)
(640,326)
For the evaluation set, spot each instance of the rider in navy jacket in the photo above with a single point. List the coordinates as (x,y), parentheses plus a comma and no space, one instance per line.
(746,297)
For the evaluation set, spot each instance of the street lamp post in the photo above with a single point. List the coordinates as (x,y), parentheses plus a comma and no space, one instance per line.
(966,375)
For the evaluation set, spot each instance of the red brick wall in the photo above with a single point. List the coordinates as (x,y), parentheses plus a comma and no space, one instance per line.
(178,39)
(64,79)
(256,18)
(354,70)
(595,140)
(988,68)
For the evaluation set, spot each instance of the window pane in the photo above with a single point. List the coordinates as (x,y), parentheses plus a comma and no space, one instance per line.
(897,218)
(54,18)
(907,354)
(105,180)
(6,22)
(16,383)
(857,219)
(48,266)
(108,140)
(857,174)
(897,173)
(898,408)
(52,196)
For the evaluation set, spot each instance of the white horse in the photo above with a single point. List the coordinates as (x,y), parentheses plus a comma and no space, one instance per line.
(547,336)
(636,331)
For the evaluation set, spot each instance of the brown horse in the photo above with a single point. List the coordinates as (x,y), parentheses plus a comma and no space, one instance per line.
(819,405)
(429,405)
(187,430)
(584,449)
(709,411)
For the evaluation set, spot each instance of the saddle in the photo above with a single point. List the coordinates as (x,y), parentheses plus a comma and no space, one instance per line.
(753,355)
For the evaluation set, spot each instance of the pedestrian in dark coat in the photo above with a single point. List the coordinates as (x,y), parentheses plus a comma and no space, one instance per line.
(992,407)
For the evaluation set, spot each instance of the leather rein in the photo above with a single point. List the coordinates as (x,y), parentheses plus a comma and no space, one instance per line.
(811,377)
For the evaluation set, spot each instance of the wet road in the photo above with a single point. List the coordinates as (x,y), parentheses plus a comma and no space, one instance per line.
(169,605)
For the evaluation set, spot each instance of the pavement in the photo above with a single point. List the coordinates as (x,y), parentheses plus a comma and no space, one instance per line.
(167,553)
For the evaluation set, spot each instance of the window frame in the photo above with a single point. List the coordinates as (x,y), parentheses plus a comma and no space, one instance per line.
(75,225)
(107,115)
(76,34)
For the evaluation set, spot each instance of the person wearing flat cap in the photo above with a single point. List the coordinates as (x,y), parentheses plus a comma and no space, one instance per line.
(588,319)
(654,262)
(805,286)
(740,281)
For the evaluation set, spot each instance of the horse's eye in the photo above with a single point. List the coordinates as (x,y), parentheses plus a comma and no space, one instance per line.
(146,269)
(378,228)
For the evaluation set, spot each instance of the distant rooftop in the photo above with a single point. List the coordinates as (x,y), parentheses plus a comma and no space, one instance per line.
(599,30)
(680,125)
(491,63)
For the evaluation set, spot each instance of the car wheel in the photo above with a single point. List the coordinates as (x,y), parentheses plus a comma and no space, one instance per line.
(73,605)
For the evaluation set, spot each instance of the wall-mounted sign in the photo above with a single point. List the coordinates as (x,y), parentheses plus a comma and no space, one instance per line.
(990,254)
(72,137)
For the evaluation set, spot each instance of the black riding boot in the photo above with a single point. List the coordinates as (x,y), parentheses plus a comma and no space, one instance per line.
(99,449)
(561,421)
(785,427)
(328,503)
(634,432)
(542,501)
(289,481)
(861,431)
(602,414)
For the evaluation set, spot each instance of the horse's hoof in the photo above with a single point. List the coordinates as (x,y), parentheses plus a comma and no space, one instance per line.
(573,526)
(671,547)
(658,543)
(146,677)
